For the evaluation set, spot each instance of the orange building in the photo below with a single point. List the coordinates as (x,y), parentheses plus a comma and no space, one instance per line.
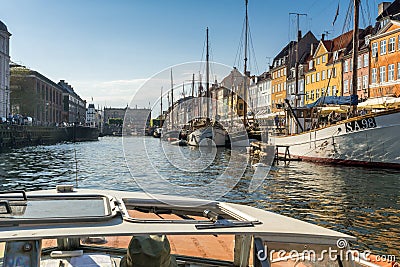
(385,59)
(279,73)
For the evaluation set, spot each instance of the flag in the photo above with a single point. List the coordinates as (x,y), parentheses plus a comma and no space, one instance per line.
(337,14)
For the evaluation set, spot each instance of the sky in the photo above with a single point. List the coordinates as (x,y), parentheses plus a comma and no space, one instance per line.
(108,49)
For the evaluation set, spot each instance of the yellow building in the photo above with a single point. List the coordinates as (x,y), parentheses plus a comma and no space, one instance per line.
(324,75)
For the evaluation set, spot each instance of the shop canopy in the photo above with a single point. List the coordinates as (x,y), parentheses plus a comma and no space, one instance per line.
(380,103)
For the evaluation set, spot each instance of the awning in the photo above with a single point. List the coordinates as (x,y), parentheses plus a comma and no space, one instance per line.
(379,103)
(328,110)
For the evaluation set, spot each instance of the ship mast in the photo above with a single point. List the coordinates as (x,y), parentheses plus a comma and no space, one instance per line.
(207,80)
(245,67)
(355,53)
(161,112)
(172,102)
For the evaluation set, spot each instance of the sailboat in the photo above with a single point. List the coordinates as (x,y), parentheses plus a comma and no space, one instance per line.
(242,136)
(210,134)
(365,140)
(170,131)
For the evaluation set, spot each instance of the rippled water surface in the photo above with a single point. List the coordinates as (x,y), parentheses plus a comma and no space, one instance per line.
(358,201)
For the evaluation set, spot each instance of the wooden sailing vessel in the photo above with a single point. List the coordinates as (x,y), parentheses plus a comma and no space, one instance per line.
(367,140)
(211,133)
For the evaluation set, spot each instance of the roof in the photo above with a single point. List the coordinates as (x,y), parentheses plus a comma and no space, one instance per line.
(361,44)
(289,52)
(340,44)
(3,27)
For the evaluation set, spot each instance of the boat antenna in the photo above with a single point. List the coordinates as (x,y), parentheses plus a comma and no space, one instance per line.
(76,168)
(245,65)
(355,56)
(297,57)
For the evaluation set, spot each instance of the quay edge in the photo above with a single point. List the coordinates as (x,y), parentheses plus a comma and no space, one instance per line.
(16,136)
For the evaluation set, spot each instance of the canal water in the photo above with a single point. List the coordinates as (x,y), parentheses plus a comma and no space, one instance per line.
(359,201)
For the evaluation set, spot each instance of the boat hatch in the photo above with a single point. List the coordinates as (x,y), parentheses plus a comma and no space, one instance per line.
(17,208)
(205,216)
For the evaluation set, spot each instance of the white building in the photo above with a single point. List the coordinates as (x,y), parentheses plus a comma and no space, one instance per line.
(260,94)
(4,70)
(91,116)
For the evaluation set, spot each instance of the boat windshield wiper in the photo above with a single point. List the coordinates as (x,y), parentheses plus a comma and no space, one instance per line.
(220,222)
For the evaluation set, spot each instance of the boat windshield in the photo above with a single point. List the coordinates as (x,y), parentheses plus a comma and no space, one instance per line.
(16,207)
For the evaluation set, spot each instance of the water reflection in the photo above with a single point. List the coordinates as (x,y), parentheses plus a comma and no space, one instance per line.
(358,201)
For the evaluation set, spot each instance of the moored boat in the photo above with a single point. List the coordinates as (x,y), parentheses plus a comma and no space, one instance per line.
(207,135)
(368,140)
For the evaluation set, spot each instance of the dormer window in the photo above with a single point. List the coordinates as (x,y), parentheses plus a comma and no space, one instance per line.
(311,64)
(335,55)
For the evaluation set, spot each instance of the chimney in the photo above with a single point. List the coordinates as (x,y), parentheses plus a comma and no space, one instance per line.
(323,37)
(312,49)
(299,36)
(382,7)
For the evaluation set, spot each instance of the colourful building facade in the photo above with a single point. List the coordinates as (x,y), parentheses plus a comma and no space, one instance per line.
(385,61)
(324,76)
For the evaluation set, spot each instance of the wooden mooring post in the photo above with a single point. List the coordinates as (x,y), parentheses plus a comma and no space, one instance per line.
(286,156)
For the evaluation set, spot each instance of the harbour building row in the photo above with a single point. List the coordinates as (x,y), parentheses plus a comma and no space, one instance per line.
(324,67)
(28,93)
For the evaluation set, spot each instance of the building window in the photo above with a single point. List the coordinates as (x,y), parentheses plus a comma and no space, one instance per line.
(334,72)
(329,91)
(383,47)
(382,74)
(318,61)
(374,75)
(392,42)
(313,78)
(311,64)
(359,83)
(329,73)
(317,93)
(398,43)
(323,59)
(391,72)
(366,59)
(374,49)
(323,75)
(346,66)
(312,94)
(335,55)
(365,81)
(398,71)
(346,86)
(334,91)
(359,62)
(308,79)
(318,76)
